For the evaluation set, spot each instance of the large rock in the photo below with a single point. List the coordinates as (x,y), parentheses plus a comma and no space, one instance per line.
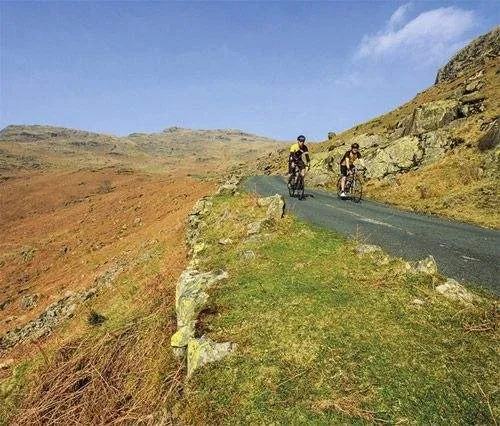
(275,206)
(492,138)
(229,187)
(322,162)
(401,155)
(435,144)
(454,291)
(475,54)
(202,351)
(430,116)
(190,296)
(426,266)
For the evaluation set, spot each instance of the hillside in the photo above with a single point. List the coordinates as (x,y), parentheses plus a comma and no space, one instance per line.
(437,153)
(202,152)
(116,291)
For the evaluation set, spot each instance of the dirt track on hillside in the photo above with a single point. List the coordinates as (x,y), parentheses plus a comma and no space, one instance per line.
(62,230)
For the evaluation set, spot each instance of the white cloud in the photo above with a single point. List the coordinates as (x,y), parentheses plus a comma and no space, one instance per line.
(429,37)
(399,16)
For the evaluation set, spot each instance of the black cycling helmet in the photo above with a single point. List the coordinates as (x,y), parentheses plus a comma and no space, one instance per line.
(355,145)
(301,138)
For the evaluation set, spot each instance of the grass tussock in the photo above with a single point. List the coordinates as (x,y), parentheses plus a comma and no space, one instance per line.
(327,337)
(124,375)
(113,363)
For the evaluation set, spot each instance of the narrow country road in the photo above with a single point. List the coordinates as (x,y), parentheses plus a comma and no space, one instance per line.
(464,252)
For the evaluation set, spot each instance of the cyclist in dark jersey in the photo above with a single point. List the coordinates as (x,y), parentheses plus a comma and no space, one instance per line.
(295,157)
(347,163)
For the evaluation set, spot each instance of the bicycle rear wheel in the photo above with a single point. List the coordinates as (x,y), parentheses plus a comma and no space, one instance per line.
(299,189)
(356,190)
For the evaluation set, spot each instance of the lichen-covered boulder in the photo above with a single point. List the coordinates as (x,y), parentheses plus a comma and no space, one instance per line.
(454,291)
(230,187)
(430,116)
(322,162)
(426,266)
(319,179)
(401,155)
(190,296)
(202,351)
(276,208)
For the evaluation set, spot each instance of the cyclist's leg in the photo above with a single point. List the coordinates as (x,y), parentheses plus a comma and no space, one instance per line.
(343,174)
(291,167)
(302,167)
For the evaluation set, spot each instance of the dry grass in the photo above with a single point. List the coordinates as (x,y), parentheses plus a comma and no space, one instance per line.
(456,187)
(121,375)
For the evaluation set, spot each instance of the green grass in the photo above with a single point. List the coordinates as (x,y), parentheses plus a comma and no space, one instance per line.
(327,337)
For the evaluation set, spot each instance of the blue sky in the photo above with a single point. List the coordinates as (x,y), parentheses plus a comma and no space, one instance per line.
(272,68)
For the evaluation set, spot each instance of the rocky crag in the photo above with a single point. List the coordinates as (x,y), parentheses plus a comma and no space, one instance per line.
(475,54)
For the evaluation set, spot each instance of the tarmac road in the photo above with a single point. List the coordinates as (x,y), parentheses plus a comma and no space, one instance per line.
(464,252)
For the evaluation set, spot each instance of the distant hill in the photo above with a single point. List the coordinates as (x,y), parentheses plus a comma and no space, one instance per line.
(34,146)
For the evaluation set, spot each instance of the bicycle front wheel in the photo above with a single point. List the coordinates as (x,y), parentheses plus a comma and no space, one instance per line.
(356,190)
(291,188)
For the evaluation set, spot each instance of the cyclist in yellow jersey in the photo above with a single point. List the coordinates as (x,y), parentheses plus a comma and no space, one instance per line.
(295,157)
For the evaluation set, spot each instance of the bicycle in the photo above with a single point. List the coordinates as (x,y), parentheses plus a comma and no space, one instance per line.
(353,185)
(296,184)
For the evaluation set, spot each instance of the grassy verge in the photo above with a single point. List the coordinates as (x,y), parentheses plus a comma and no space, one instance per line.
(326,337)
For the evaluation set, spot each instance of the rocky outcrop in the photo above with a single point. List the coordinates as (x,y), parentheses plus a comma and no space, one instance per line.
(275,206)
(475,54)
(275,210)
(192,291)
(229,187)
(58,312)
(454,291)
(492,137)
(428,117)
(190,297)
(202,351)
(401,155)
